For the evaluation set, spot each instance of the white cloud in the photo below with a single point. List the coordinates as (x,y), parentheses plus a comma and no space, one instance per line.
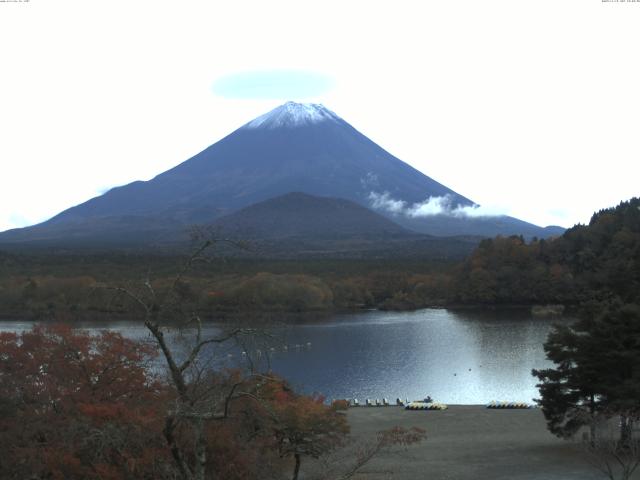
(443,205)
(479,211)
(432,206)
(383,201)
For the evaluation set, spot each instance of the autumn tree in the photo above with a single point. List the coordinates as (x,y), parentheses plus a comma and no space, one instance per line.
(79,406)
(303,426)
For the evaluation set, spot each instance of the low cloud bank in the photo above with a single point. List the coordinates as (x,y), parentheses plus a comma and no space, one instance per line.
(443,205)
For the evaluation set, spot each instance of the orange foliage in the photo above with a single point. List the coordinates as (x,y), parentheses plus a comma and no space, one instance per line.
(304,425)
(80,406)
(77,406)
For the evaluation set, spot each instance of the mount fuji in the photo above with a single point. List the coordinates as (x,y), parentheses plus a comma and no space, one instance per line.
(294,148)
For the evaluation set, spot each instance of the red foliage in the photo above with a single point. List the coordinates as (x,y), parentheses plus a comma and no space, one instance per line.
(74,405)
(81,406)
(304,426)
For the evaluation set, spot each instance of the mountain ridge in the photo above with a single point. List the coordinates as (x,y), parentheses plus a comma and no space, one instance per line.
(294,147)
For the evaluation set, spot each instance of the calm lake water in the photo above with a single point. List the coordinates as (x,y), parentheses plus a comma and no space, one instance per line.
(468,357)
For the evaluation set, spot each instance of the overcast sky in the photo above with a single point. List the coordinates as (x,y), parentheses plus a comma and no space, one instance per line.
(531,108)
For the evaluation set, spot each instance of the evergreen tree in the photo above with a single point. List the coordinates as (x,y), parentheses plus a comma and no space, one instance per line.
(569,397)
(597,370)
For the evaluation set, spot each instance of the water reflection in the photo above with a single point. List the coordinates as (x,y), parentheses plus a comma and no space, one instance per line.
(468,357)
(456,357)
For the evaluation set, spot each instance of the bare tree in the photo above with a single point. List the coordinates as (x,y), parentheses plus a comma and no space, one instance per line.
(616,456)
(358,452)
(198,399)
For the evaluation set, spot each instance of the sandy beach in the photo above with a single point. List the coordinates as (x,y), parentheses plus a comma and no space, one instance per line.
(473,442)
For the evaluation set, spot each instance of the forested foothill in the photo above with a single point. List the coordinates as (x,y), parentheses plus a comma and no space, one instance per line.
(595,259)
(598,260)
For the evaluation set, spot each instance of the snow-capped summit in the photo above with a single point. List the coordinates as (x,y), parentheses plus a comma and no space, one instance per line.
(292,114)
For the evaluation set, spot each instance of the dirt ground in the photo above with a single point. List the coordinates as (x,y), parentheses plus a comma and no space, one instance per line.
(473,442)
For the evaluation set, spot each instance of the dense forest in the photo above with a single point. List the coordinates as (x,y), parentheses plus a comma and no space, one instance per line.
(587,261)
(597,259)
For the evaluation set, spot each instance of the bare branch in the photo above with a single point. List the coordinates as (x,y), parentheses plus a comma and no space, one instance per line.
(202,343)
(147,283)
(135,298)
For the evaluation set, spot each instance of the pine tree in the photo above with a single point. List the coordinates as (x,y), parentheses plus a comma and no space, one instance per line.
(597,370)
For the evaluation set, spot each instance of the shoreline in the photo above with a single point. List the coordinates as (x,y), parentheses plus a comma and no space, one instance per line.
(227,317)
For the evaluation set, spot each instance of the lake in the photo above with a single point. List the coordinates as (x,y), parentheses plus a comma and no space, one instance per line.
(456,357)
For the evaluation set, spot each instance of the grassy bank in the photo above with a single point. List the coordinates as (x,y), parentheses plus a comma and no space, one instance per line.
(470,442)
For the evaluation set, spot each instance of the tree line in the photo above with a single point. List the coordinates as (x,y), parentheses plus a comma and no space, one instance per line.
(586,260)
